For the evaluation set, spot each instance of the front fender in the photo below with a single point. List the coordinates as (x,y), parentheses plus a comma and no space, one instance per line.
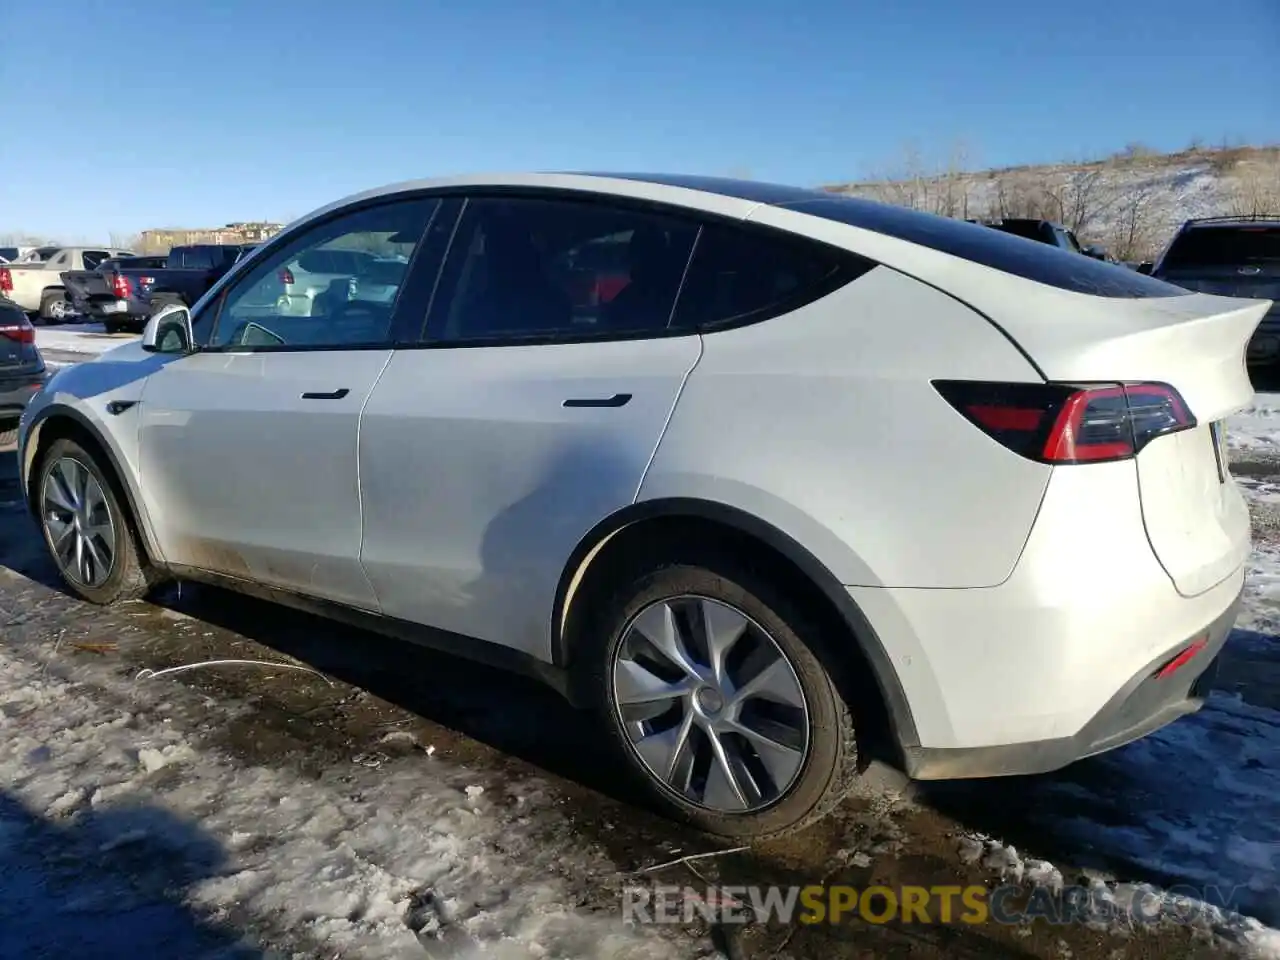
(98,401)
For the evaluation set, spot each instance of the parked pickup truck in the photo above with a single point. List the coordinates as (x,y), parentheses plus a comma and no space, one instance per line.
(89,291)
(34,280)
(123,295)
(1232,257)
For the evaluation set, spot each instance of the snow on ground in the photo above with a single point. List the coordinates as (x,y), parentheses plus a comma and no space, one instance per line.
(79,338)
(1257,429)
(121,831)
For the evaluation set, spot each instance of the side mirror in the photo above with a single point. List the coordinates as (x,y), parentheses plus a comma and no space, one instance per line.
(169,331)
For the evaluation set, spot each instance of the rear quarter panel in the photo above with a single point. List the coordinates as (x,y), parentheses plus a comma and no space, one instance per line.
(824,423)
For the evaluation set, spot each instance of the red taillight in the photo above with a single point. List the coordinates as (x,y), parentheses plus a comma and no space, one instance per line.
(120,286)
(6,280)
(21,332)
(286,276)
(1182,659)
(1063,423)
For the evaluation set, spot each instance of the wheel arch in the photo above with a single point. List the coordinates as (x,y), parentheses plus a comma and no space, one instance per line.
(661,517)
(59,421)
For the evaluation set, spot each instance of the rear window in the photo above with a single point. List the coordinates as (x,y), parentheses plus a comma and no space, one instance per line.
(1040,262)
(1223,247)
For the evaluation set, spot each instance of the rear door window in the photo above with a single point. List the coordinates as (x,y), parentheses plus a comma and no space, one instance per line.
(523,268)
(93,258)
(739,275)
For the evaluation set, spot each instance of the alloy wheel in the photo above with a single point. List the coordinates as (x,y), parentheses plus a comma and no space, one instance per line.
(78,522)
(711,704)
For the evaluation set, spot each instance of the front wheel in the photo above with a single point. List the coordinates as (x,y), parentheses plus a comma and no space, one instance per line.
(711,689)
(87,529)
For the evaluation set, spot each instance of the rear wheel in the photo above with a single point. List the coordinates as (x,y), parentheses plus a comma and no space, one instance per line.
(54,307)
(710,687)
(112,326)
(90,535)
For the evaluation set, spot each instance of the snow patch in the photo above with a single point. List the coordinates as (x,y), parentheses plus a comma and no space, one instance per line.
(336,863)
(1111,904)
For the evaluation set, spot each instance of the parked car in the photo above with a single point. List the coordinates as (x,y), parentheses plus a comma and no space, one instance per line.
(1042,231)
(91,291)
(34,281)
(123,293)
(824,478)
(22,369)
(1234,257)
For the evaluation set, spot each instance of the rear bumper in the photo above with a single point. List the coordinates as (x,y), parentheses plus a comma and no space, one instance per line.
(1168,687)
(114,309)
(16,392)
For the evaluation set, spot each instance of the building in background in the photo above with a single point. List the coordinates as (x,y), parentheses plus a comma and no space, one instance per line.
(252,231)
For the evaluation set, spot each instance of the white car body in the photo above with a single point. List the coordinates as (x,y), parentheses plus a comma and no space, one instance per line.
(1015,613)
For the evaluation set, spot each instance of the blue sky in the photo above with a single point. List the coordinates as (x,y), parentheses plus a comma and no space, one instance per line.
(122,114)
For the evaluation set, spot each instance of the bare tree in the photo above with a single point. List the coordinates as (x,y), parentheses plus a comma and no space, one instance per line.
(1134,228)
(125,241)
(1085,198)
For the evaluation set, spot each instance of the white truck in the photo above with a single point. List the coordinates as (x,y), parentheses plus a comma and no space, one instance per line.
(34,280)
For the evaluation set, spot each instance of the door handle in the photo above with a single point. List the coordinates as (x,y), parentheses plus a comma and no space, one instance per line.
(617,400)
(336,395)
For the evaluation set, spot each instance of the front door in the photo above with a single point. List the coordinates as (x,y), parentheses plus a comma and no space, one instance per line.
(528,415)
(248,448)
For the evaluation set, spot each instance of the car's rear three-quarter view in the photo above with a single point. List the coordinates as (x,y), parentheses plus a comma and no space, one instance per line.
(803,477)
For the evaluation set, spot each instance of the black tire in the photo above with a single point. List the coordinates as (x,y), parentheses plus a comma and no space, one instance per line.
(112,326)
(132,575)
(831,767)
(8,432)
(47,300)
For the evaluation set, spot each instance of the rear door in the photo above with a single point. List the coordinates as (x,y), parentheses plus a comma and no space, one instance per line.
(527,415)
(248,447)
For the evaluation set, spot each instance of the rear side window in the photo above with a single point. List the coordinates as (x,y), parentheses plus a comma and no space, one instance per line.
(739,275)
(1234,246)
(93,258)
(1040,262)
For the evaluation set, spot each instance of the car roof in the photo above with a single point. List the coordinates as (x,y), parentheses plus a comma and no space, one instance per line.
(920,243)
(1233,223)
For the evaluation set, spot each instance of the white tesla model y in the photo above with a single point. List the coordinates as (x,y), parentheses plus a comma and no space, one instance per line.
(760,473)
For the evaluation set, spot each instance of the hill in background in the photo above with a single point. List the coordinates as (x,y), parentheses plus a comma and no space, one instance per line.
(1130,202)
